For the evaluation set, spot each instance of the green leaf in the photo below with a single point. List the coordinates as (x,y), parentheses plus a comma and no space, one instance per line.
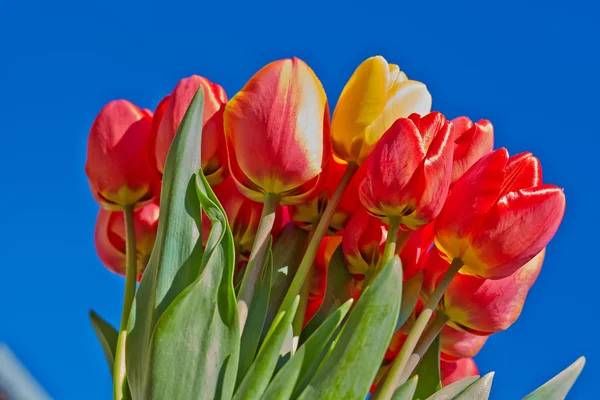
(256,317)
(410,295)
(288,251)
(559,386)
(195,346)
(176,239)
(305,361)
(454,389)
(479,390)
(350,367)
(257,379)
(406,391)
(340,288)
(108,336)
(428,371)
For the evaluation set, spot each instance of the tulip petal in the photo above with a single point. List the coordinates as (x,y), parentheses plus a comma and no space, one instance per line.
(455,371)
(457,344)
(471,142)
(522,171)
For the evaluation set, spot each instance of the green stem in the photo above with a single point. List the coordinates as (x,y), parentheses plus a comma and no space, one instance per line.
(390,244)
(121,389)
(315,241)
(257,256)
(393,379)
(304,293)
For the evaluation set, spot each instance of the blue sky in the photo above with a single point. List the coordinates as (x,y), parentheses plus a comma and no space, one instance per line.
(529,67)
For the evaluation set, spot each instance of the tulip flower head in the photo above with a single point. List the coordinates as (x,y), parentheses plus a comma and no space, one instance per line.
(376,95)
(363,243)
(499,215)
(457,344)
(110,237)
(170,113)
(455,371)
(471,142)
(117,161)
(277,131)
(409,171)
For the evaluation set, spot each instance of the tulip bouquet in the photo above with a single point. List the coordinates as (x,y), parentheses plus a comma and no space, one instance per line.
(284,254)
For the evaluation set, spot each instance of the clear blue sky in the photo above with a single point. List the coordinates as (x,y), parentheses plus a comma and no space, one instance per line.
(531,69)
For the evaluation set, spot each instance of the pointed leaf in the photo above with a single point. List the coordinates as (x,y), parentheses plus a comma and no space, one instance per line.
(108,336)
(454,389)
(256,317)
(305,361)
(406,391)
(479,390)
(257,379)
(410,295)
(428,371)
(195,346)
(558,387)
(177,236)
(350,367)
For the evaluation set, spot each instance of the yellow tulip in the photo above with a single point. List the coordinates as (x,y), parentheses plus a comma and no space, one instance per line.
(376,95)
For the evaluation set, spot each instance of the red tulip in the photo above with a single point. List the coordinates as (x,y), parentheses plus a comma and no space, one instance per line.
(363,243)
(455,371)
(277,130)
(395,345)
(471,142)
(481,306)
(415,249)
(167,121)
(457,344)
(499,215)
(409,171)
(308,214)
(116,165)
(110,237)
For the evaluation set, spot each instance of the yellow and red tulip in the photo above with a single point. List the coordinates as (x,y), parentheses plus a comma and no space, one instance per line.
(376,95)
(277,131)
(170,113)
(110,237)
(499,215)
(363,243)
(471,142)
(409,171)
(117,160)
(477,305)
(457,344)
(455,371)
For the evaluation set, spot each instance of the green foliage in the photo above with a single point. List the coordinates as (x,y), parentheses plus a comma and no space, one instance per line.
(406,391)
(107,336)
(558,387)
(428,372)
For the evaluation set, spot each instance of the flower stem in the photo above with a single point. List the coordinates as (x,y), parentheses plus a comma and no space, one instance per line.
(121,389)
(390,243)
(304,293)
(393,379)
(315,241)
(257,256)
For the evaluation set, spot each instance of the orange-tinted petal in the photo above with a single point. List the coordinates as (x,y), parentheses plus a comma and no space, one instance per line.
(457,344)
(455,371)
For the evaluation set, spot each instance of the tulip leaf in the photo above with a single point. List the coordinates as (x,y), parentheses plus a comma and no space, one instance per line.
(454,389)
(288,251)
(176,238)
(304,362)
(479,390)
(349,368)
(428,371)
(257,379)
(339,289)
(558,387)
(195,346)
(410,295)
(256,317)
(108,336)
(406,391)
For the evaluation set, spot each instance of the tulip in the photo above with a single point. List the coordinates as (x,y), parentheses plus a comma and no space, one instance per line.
(308,214)
(277,130)
(363,243)
(376,95)
(408,174)
(499,215)
(471,142)
(455,371)
(110,237)
(481,306)
(415,249)
(214,152)
(457,344)
(116,166)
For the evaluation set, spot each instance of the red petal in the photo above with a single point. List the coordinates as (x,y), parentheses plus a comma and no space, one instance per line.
(455,371)
(522,171)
